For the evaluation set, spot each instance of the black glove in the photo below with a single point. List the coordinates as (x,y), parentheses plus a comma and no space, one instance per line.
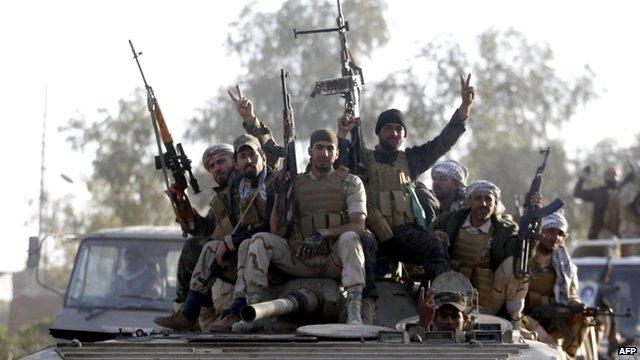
(311,244)
(281,183)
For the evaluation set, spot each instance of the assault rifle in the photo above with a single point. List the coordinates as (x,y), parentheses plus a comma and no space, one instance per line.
(290,161)
(173,159)
(529,224)
(566,312)
(559,314)
(349,86)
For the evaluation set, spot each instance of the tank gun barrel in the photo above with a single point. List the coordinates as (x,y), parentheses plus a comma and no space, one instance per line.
(300,301)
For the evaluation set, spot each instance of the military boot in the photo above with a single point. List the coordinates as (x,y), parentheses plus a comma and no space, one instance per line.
(354,308)
(368,311)
(224,323)
(177,321)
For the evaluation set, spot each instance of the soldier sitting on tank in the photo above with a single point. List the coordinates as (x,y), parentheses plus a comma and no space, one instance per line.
(555,282)
(442,311)
(325,241)
(247,201)
(393,217)
(218,161)
(482,240)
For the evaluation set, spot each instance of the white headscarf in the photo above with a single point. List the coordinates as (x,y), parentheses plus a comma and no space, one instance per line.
(453,169)
(491,188)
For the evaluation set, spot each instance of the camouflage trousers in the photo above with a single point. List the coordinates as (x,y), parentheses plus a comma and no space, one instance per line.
(187,261)
(506,290)
(202,281)
(345,261)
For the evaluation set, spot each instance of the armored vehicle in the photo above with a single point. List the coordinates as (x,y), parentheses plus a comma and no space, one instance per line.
(303,321)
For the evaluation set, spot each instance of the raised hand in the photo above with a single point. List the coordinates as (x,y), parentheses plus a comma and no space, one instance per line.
(243,105)
(426,306)
(346,122)
(467,93)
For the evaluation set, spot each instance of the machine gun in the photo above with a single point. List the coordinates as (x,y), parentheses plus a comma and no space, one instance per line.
(529,224)
(173,159)
(349,86)
(290,162)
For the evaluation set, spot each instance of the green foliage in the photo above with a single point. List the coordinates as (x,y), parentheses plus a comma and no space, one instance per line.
(520,99)
(29,338)
(33,336)
(125,187)
(265,43)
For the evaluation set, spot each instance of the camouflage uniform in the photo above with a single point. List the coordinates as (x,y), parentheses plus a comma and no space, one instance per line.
(342,257)
(254,221)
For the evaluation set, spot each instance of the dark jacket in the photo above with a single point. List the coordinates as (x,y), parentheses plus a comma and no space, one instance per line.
(420,158)
(599,197)
(504,240)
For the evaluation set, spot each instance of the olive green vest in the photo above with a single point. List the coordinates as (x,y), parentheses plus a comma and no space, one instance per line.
(468,260)
(321,203)
(221,206)
(543,279)
(388,204)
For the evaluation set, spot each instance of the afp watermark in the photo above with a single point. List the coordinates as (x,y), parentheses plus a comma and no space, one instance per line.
(627,350)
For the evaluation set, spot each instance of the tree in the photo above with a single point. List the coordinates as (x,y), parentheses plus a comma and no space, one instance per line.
(264,43)
(520,100)
(125,187)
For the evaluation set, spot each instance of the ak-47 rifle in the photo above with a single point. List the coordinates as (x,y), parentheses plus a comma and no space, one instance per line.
(529,224)
(349,86)
(565,312)
(174,159)
(559,314)
(290,161)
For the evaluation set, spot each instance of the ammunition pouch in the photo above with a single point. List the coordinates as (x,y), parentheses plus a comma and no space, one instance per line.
(481,278)
(378,224)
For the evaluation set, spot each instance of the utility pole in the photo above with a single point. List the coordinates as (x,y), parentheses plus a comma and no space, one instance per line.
(42,168)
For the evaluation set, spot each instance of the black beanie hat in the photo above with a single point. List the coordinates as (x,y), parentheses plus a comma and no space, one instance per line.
(390,116)
(324,135)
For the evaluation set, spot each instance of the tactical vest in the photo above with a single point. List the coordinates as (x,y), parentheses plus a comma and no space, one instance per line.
(222,212)
(468,259)
(543,280)
(321,203)
(222,209)
(388,203)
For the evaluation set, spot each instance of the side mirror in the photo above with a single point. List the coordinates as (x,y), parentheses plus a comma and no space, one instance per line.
(33,258)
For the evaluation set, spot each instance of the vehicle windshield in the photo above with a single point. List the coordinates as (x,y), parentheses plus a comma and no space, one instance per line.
(625,277)
(124,274)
